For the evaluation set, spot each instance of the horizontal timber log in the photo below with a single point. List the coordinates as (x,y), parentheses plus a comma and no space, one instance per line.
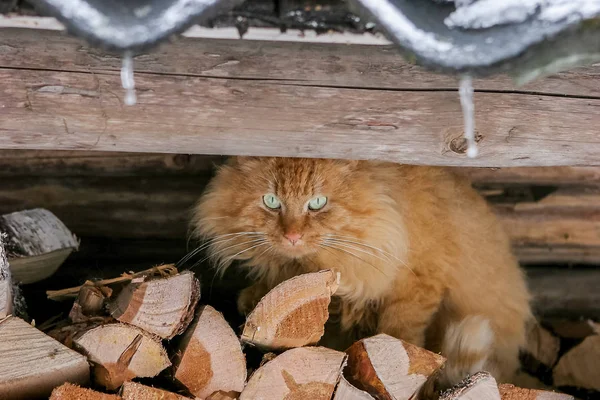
(316,100)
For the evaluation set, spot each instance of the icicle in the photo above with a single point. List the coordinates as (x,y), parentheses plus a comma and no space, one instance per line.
(127,79)
(466,101)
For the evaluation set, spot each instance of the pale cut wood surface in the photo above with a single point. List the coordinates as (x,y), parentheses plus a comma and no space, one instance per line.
(67,111)
(579,367)
(345,391)
(479,386)
(6,298)
(390,368)
(163,307)
(122,352)
(296,374)
(137,391)
(38,243)
(73,392)
(293,313)
(32,363)
(511,392)
(209,357)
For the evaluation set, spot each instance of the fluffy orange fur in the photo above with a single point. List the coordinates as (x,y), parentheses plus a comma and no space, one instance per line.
(421,255)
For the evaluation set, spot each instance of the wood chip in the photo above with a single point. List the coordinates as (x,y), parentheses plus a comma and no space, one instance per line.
(580,366)
(120,353)
(73,392)
(163,307)
(511,392)
(210,357)
(479,386)
(293,314)
(32,363)
(389,368)
(137,391)
(346,391)
(38,243)
(297,374)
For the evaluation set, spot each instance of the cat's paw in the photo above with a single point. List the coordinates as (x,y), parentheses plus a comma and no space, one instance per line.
(249,298)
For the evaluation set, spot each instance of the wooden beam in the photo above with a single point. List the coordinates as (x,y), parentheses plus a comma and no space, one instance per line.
(316,100)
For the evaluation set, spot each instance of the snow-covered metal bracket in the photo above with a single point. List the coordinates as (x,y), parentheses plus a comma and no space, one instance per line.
(131,25)
(527,38)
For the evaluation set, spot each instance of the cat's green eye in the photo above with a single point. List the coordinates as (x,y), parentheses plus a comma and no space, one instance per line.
(317,203)
(271,201)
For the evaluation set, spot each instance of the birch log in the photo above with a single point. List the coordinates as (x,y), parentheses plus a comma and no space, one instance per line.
(38,243)
(479,386)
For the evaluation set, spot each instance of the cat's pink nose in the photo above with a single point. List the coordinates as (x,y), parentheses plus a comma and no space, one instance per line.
(293,237)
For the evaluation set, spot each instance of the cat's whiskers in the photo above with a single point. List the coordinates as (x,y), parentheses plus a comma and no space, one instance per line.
(225,263)
(216,255)
(345,245)
(325,247)
(213,241)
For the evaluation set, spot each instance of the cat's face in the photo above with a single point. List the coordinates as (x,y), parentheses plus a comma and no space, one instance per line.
(287,208)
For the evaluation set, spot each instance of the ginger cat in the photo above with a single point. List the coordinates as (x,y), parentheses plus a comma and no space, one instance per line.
(421,255)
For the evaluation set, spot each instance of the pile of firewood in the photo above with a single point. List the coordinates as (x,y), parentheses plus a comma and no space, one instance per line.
(145,335)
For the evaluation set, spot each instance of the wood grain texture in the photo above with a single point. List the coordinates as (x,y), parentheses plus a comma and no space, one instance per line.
(73,392)
(6,297)
(32,364)
(579,366)
(236,97)
(346,391)
(209,357)
(137,391)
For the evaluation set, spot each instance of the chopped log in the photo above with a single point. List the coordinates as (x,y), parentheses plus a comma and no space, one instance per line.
(511,392)
(69,391)
(542,346)
(346,391)
(164,307)
(479,386)
(292,314)
(209,357)
(389,368)
(38,243)
(571,329)
(89,303)
(137,391)
(121,352)
(579,366)
(221,395)
(296,374)
(32,363)
(6,296)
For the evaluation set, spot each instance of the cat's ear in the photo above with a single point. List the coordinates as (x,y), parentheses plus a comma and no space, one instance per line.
(244,163)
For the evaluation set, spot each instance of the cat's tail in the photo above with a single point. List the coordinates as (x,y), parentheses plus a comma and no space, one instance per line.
(467,346)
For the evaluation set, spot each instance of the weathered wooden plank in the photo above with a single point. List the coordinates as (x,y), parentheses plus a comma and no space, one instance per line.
(174,114)
(340,65)
(556,175)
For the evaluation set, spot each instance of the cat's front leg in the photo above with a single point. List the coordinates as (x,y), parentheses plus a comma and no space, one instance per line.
(250,296)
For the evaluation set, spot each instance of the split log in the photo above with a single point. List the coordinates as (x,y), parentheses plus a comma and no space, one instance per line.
(296,374)
(293,314)
(137,391)
(571,329)
(479,386)
(6,296)
(120,353)
(221,395)
(89,303)
(542,347)
(69,391)
(579,366)
(38,243)
(511,392)
(389,368)
(346,391)
(163,307)
(32,363)
(209,357)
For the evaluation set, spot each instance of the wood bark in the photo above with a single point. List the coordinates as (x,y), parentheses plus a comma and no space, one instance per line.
(296,374)
(38,243)
(479,386)
(120,353)
(32,363)
(511,392)
(293,314)
(163,307)
(137,391)
(209,358)
(6,295)
(69,391)
(389,368)
(579,366)
(90,303)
